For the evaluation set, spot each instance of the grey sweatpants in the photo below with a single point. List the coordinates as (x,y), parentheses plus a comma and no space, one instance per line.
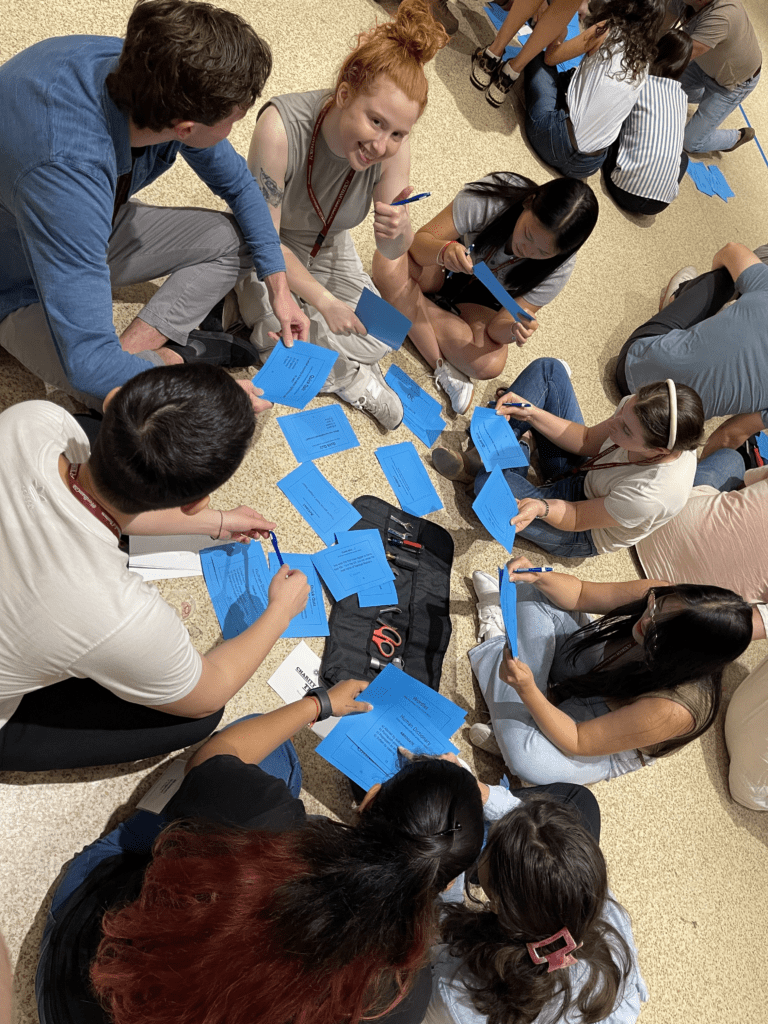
(202,250)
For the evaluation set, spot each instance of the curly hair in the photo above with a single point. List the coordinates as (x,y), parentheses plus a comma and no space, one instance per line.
(545,871)
(631,26)
(398,49)
(187,61)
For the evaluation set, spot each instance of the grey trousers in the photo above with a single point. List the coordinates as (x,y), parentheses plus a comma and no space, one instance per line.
(202,250)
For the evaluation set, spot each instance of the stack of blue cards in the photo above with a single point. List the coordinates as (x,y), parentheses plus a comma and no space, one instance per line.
(293,376)
(406,713)
(318,432)
(495,440)
(710,180)
(357,562)
(238,578)
(408,478)
(494,506)
(318,502)
(422,414)
(382,320)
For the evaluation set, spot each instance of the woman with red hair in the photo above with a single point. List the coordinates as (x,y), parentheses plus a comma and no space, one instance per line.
(320,158)
(246,911)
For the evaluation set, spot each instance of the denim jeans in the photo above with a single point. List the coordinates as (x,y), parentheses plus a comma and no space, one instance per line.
(545,123)
(715,103)
(545,383)
(724,469)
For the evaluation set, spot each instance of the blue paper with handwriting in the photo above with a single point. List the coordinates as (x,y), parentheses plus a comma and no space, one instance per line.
(495,440)
(237,578)
(313,620)
(408,478)
(422,413)
(293,376)
(356,562)
(318,502)
(494,506)
(318,432)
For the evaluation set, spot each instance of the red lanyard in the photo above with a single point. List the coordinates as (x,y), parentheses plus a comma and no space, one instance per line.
(313,198)
(590,463)
(90,503)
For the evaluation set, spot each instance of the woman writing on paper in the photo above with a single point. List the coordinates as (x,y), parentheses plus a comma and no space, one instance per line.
(527,234)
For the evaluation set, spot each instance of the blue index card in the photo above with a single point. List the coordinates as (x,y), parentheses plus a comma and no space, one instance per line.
(312,620)
(318,502)
(393,686)
(357,562)
(719,184)
(408,478)
(293,376)
(485,275)
(318,432)
(378,597)
(495,440)
(496,16)
(422,413)
(381,319)
(494,506)
(237,579)
(762,444)
(387,728)
(509,609)
(699,174)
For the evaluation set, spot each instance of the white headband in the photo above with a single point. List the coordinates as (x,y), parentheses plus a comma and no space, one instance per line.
(672,414)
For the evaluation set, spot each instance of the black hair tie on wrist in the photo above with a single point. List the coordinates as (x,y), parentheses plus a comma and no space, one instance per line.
(321,695)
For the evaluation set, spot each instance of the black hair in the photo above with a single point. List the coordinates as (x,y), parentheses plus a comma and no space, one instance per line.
(674,54)
(692,645)
(566,207)
(633,26)
(544,872)
(171,436)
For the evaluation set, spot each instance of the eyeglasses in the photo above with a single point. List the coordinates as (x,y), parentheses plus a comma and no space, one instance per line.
(652,607)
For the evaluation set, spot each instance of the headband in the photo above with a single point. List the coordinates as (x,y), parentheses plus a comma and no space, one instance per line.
(560,957)
(672,413)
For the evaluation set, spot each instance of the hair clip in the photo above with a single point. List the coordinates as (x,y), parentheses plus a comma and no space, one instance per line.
(560,957)
(447,831)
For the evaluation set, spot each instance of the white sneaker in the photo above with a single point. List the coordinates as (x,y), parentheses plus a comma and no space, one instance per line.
(567,367)
(457,386)
(667,294)
(490,618)
(370,393)
(481,735)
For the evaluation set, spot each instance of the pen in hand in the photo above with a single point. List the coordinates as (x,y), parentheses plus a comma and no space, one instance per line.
(545,568)
(517,405)
(467,253)
(277,549)
(411,199)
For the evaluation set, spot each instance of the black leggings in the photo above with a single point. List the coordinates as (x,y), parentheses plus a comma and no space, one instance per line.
(627,200)
(79,724)
(695,301)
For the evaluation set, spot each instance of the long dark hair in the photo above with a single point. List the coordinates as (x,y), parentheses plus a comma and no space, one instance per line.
(694,644)
(633,25)
(545,872)
(566,207)
(325,923)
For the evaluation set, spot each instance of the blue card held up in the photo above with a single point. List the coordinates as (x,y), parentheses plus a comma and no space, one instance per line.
(293,376)
(494,506)
(495,440)
(485,275)
(509,609)
(422,413)
(318,502)
(357,562)
(237,579)
(408,478)
(762,445)
(381,319)
(312,621)
(318,432)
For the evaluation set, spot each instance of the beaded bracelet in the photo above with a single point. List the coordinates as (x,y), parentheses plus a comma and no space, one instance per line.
(546,506)
(440,258)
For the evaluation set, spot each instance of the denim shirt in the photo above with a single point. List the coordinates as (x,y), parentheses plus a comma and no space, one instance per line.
(64,144)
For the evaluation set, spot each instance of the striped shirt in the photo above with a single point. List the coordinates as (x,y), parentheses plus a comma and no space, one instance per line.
(651,142)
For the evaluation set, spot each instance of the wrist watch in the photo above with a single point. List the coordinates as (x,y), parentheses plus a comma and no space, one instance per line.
(321,696)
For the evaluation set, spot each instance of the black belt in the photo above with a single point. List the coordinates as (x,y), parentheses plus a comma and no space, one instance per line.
(572,137)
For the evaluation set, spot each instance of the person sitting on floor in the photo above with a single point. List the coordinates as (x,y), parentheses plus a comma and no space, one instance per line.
(546,889)
(646,164)
(604,487)
(95,668)
(320,159)
(586,701)
(302,919)
(527,234)
(723,356)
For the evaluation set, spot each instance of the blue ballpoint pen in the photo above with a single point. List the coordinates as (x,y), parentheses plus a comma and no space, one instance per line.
(546,568)
(411,199)
(517,405)
(277,549)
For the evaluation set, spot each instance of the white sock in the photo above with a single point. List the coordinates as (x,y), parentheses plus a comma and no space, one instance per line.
(514,75)
(492,55)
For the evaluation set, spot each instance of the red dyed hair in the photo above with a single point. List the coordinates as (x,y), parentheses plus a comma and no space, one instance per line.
(201,943)
(398,49)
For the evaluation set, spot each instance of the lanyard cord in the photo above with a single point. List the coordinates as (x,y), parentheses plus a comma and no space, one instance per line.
(90,502)
(326,224)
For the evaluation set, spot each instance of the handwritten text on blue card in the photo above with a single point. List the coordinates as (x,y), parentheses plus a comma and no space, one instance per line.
(494,506)
(318,502)
(408,478)
(318,432)
(495,440)
(293,376)
(237,579)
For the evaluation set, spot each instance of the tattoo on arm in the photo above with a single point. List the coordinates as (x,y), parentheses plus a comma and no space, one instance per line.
(269,189)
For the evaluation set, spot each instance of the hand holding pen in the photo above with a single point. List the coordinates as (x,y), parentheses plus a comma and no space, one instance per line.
(456,258)
(521,570)
(514,407)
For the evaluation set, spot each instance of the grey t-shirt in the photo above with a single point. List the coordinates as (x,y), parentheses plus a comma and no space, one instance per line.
(472,213)
(724,358)
(723,25)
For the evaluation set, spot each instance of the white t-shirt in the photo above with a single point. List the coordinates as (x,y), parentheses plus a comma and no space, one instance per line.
(600,97)
(68,604)
(640,498)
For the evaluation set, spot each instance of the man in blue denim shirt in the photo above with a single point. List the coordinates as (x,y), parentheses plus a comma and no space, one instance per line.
(87,122)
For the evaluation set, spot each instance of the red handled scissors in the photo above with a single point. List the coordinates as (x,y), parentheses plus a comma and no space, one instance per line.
(387,639)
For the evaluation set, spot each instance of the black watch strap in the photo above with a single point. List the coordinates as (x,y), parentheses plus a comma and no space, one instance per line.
(326,709)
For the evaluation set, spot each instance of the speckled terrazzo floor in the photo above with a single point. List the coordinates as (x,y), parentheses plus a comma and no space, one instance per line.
(689,864)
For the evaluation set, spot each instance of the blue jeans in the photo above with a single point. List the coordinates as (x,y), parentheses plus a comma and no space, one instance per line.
(545,123)
(724,469)
(715,103)
(545,383)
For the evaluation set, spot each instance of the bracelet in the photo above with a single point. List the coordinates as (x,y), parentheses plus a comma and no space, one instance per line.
(319,709)
(221,526)
(440,258)
(546,506)
(320,694)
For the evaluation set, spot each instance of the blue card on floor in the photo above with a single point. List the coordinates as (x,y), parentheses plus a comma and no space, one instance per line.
(318,432)
(495,440)
(237,579)
(312,621)
(509,609)
(718,183)
(494,506)
(699,174)
(318,502)
(485,275)
(358,561)
(378,597)
(422,413)
(381,319)
(408,478)
(293,376)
